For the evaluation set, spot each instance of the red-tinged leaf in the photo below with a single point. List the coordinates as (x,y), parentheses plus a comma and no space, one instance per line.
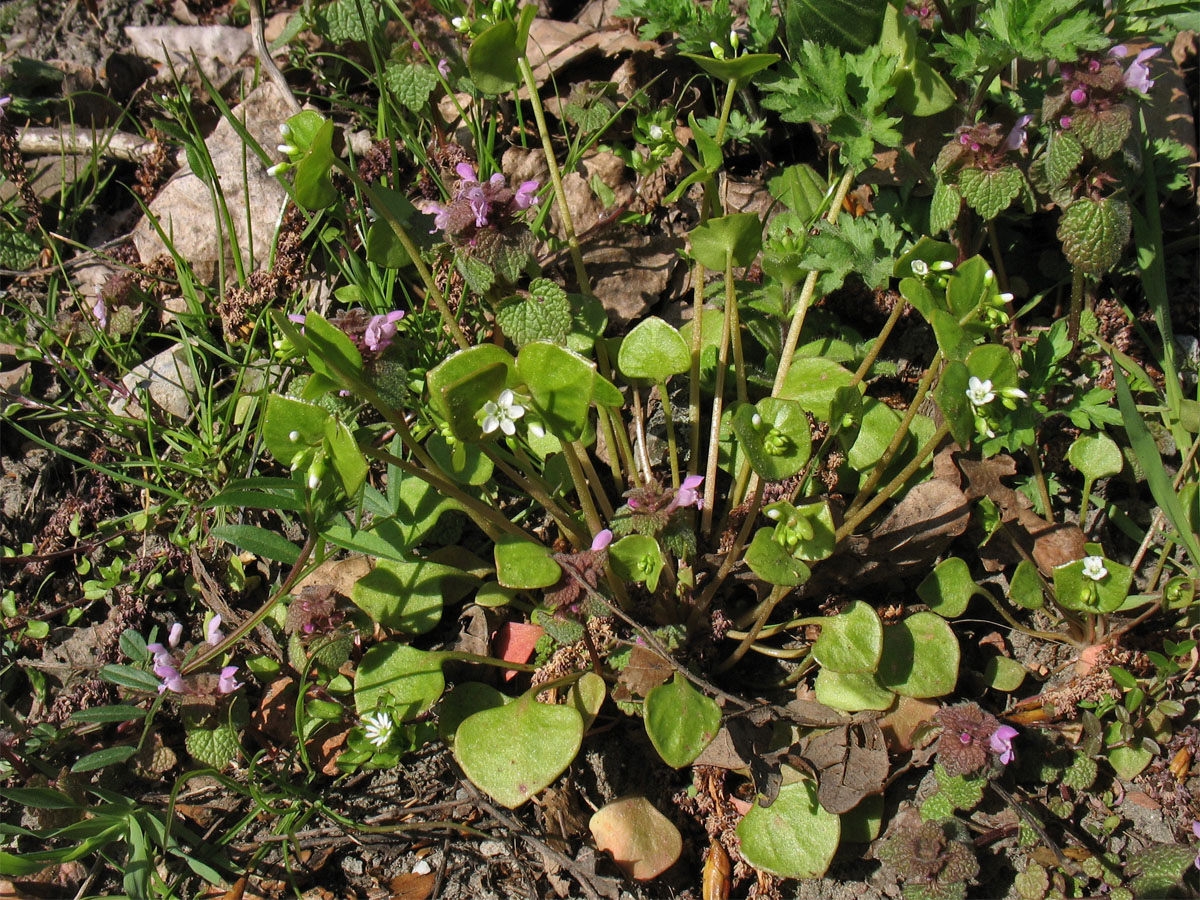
(515,642)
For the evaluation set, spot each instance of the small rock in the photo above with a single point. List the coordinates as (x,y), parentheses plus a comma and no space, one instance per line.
(169,380)
(490,849)
(352,865)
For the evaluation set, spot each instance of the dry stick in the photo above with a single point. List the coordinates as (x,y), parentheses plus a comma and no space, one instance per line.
(714,433)
(264,57)
(649,639)
(116,145)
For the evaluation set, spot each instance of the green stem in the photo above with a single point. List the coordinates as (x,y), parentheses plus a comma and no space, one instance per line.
(1076,312)
(672,450)
(537,491)
(463,656)
(897,439)
(731,558)
(726,108)
(777,593)
(694,385)
(593,478)
(595,526)
(894,485)
(876,346)
(1035,461)
(560,194)
(772,630)
(714,428)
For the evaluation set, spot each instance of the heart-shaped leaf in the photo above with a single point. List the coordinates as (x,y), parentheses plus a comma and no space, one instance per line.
(463,701)
(462,383)
(406,679)
(524,564)
(948,588)
(737,68)
(636,558)
(680,720)
(775,437)
(813,382)
(492,59)
(587,696)
(920,657)
(768,559)
(512,752)
(1096,456)
(793,837)
(642,841)
(737,237)
(653,350)
(404,595)
(851,641)
(852,692)
(560,384)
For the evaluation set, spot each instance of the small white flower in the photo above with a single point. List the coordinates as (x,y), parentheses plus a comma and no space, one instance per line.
(285,130)
(980,393)
(277,169)
(460,24)
(756,420)
(293,436)
(942,265)
(920,268)
(314,481)
(1093,568)
(502,413)
(378,728)
(286,149)
(718,51)
(656,133)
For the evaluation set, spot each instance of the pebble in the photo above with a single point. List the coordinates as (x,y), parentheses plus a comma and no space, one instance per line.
(489,849)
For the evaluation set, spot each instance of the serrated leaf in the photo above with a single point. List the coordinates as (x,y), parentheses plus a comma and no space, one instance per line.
(342,20)
(412,84)
(990,191)
(1064,155)
(544,316)
(216,747)
(1094,232)
(18,249)
(1103,131)
(944,207)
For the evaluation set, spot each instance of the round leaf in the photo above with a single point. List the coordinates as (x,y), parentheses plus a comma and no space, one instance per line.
(737,236)
(851,641)
(642,841)
(772,563)
(636,558)
(1096,456)
(587,696)
(653,350)
(512,752)
(775,436)
(738,68)
(492,59)
(463,701)
(680,720)
(878,426)
(851,692)
(404,595)
(524,564)
(813,382)
(1003,674)
(402,677)
(794,837)
(920,657)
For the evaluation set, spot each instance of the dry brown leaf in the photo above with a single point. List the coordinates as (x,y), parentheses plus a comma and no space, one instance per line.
(411,886)
(642,841)
(852,763)
(275,716)
(646,670)
(340,574)
(902,726)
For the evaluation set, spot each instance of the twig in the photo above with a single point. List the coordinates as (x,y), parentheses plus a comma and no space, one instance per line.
(114,144)
(264,57)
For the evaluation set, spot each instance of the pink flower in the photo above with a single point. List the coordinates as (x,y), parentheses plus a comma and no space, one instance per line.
(171,679)
(479,205)
(174,635)
(602,540)
(1001,743)
(441,216)
(443,67)
(1137,76)
(1016,137)
(1196,832)
(99,310)
(380,331)
(1079,96)
(687,495)
(226,684)
(526,195)
(466,172)
(213,634)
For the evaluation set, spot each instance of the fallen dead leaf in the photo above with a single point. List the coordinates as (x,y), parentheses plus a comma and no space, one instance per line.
(904,725)
(411,886)
(851,762)
(645,670)
(340,574)
(642,841)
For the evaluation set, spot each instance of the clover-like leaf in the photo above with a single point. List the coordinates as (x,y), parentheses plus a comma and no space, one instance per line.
(512,752)
(876,430)
(680,721)
(653,350)
(636,558)
(793,837)
(920,657)
(851,641)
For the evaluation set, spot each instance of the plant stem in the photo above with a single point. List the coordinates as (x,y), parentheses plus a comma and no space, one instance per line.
(901,433)
(714,427)
(873,354)
(593,477)
(672,450)
(777,593)
(560,195)
(538,492)
(731,557)
(1076,311)
(1035,461)
(894,485)
(590,515)
(694,386)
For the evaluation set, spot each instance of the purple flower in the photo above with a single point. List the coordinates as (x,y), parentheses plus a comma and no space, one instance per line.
(380,331)
(4,101)
(602,540)
(1001,743)
(226,684)
(526,195)
(441,216)
(1137,76)
(1079,96)
(174,635)
(213,634)
(466,172)
(171,679)
(479,205)
(1065,123)
(297,318)
(443,67)
(1016,137)
(99,310)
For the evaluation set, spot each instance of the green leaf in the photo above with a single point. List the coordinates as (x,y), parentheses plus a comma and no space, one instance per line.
(215,747)
(1128,761)
(404,595)
(990,191)
(1074,590)
(813,382)
(1157,479)
(462,383)
(286,417)
(654,351)
(119,712)
(560,384)
(544,316)
(512,752)
(680,721)
(1102,131)
(127,676)
(944,207)
(948,588)
(259,541)
(772,563)
(794,837)
(492,59)
(849,25)
(19,250)
(39,798)
(920,88)
(463,701)
(342,21)
(412,84)
(349,464)
(920,657)
(1003,674)
(800,189)
(109,756)
(737,237)
(1095,456)
(1063,156)
(877,429)
(636,558)
(851,642)
(331,352)
(524,564)
(807,531)
(738,68)
(407,680)
(1094,233)
(1025,588)
(951,397)
(775,437)
(314,188)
